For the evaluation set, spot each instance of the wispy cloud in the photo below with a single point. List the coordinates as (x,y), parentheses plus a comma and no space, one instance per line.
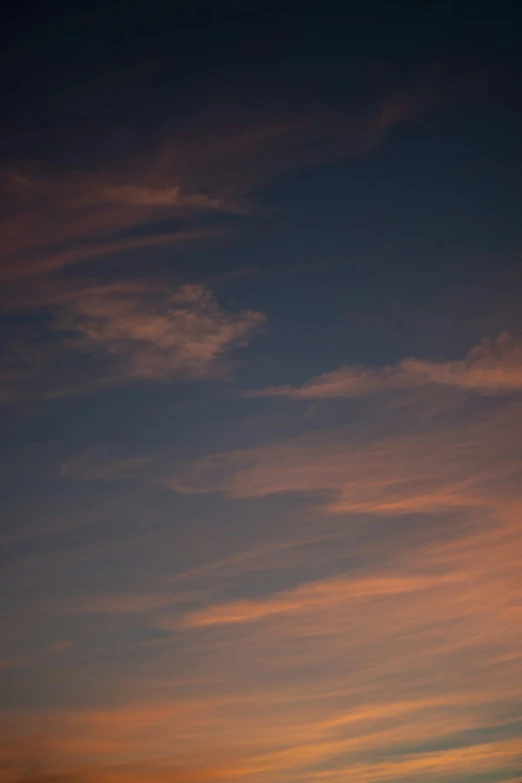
(309,596)
(456,465)
(57,219)
(228,638)
(412,669)
(154,334)
(124,332)
(492,367)
(174,194)
(52,219)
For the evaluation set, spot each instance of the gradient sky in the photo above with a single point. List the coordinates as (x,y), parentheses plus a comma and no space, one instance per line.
(261,393)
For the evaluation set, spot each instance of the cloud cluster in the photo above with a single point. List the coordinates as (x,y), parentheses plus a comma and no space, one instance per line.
(173,193)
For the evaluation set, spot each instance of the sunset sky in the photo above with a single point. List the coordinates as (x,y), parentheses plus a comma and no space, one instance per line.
(261,393)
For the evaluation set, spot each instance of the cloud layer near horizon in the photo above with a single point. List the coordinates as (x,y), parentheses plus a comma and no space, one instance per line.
(376,638)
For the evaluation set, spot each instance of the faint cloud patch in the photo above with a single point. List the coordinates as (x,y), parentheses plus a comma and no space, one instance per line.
(108,334)
(95,465)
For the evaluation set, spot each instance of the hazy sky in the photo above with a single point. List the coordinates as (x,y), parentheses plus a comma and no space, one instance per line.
(261,393)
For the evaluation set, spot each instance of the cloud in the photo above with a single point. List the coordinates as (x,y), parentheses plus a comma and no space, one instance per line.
(390,670)
(380,675)
(57,219)
(122,332)
(400,669)
(344,382)
(457,465)
(52,219)
(492,367)
(133,195)
(48,263)
(50,771)
(440,637)
(492,756)
(154,335)
(309,596)
(435,625)
(171,193)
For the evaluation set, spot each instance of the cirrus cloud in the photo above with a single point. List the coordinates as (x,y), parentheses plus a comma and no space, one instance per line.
(492,367)
(156,335)
(124,332)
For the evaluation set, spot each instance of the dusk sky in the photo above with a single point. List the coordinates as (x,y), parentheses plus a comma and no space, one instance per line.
(261,392)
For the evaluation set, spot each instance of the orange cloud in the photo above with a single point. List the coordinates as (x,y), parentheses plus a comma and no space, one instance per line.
(184,331)
(311,596)
(493,367)
(458,464)
(349,677)
(44,771)
(437,628)
(385,672)
(396,669)
(490,756)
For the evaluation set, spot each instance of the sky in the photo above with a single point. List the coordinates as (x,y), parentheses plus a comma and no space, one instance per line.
(260,393)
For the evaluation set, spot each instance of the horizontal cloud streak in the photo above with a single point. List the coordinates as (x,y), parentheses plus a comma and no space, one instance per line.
(308,597)
(59,219)
(53,219)
(493,367)
(457,466)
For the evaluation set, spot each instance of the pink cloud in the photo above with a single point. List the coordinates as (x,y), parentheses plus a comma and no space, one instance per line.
(127,331)
(310,597)
(492,367)
(158,335)
(457,466)
(58,219)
